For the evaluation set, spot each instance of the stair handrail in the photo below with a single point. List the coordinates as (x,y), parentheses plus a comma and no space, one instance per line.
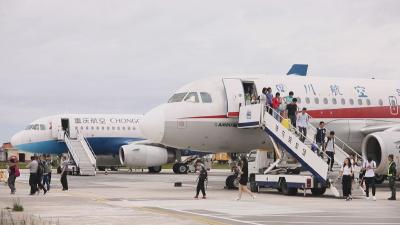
(67,141)
(344,144)
(265,109)
(81,137)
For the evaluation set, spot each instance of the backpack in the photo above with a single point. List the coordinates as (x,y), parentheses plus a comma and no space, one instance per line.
(17,172)
(41,168)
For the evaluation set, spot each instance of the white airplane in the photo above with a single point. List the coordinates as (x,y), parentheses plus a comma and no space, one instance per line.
(115,139)
(203,115)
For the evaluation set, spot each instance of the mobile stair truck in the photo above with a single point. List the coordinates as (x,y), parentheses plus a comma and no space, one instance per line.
(292,165)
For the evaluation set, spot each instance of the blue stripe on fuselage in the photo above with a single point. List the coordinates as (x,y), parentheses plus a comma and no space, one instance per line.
(100,145)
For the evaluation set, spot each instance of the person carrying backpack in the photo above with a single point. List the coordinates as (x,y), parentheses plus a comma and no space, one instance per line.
(201,170)
(13,173)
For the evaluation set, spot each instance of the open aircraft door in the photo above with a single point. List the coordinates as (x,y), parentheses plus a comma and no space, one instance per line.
(234,95)
(394,106)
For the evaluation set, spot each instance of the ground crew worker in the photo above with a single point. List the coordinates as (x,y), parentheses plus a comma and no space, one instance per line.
(202,171)
(392,177)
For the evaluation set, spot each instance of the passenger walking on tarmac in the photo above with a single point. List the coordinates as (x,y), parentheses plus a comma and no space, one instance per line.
(269,99)
(292,112)
(64,172)
(243,169)
(40,174)
(303,120)
(202,171)
(369,166)
(330,149)
(392,177)
(276,102)
(47,173)
(320,136)
(346,173)
(33,176)
(13,173)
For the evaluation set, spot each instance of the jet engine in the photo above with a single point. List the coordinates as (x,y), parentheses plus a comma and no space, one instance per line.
(379,145)
(141,155)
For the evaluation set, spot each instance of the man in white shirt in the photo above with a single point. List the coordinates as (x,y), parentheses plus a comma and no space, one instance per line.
(303,122)
(33,175)
(369,166)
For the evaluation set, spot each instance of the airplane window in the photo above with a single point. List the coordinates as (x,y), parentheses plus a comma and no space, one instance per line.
(123,128)
(92,128)
(108,128)
(359,101)
(368,101)
(325,101)
(380,102)
(178,97)
(97,128)
(117,128)
(343,101)
(192,97)
(205,97)
(308,100)
(133,128)
(334,101)
(87,128)
(316,100)
(351,101)
(81,127)
(102,128)
(298,100)
(113,128)
(129,128)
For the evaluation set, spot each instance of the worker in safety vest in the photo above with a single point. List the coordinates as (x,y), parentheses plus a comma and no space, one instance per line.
(392,177)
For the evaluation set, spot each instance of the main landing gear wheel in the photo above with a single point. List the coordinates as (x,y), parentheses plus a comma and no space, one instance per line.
(318,191)
(379,179)
(231,182)
(180,168)
(155,169)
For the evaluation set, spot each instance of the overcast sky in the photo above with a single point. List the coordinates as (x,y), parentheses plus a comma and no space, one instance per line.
(125,56)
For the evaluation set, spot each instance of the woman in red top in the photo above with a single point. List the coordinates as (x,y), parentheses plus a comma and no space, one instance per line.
(13,173)
(276,102)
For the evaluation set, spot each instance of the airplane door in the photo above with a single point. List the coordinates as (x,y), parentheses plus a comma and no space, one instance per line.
(234,95)
(394,107)
(65,125)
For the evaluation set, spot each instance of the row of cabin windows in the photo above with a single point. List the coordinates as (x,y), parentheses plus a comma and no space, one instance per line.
(105,128)
(342,101)
(191,97)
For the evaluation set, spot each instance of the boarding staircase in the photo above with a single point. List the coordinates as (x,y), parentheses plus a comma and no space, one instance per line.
(82,154)
(289,139)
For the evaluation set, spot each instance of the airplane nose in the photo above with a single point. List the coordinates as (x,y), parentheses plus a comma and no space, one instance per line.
(152,124)
(16,139)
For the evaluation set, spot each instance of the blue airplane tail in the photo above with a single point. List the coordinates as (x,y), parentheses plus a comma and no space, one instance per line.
(298,69)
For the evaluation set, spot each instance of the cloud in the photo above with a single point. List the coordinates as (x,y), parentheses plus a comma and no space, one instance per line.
(126,56)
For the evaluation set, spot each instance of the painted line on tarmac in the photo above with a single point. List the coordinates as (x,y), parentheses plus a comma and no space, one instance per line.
(214,216)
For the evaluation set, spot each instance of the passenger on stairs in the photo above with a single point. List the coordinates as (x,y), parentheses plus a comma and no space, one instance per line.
(276,102)
(243,168)
(369,166)
(263,96)
(269,99)
(330,149)
(303,122)
(320,136)
(292,112)
(346,173)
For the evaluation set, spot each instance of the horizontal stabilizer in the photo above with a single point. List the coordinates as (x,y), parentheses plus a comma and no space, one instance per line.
(298,69)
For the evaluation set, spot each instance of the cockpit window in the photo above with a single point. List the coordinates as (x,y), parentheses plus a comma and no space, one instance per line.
(28,127)
(42,127)
(35,127)
(178,97)
(192,97)
(205,97)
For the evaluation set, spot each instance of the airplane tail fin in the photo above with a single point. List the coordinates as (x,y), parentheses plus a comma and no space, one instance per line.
(298,69)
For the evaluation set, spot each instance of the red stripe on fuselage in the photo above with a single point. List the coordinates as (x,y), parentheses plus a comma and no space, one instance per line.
(344,113)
